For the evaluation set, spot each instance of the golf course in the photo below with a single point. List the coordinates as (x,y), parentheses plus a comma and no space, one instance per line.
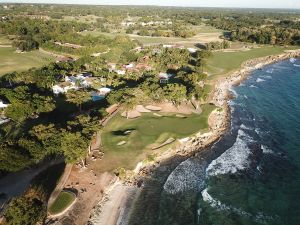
(127,141)
(12,61)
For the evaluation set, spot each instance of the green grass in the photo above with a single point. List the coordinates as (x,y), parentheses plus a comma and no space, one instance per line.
(4,40)
(12,61)
(224,62)
(146,131)
(64,200)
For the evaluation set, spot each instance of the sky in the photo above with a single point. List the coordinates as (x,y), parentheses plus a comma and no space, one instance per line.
(291,4)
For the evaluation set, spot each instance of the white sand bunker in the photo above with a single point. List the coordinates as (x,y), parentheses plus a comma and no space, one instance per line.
(156,114)
(180,116)
(153,108)
(121,143)
(142,109)
(127,131)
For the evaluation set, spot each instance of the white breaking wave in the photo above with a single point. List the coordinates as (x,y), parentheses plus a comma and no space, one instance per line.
(258,80)
(243,126)
(296,65)
(270,70)
(267,77)
(292,60)
(253,86)
(232,160)
(266,150)
(188,175)
(233,92)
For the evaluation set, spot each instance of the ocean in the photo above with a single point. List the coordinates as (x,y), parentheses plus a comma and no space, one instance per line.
(252,175)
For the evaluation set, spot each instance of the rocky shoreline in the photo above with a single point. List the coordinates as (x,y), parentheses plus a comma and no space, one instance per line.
(218,120)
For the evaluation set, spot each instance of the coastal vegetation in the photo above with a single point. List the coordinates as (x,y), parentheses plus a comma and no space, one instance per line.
(75,63)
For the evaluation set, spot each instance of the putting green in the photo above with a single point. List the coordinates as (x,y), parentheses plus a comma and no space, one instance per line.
(142,133)
(63,201)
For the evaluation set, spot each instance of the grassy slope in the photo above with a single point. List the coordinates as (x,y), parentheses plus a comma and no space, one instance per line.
(147,130)
(12,61)
(63,200)
(224,62)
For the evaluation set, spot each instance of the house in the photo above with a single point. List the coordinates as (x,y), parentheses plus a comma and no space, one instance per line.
(104,90)
(3,105)
(128,66)
(101,94)
(192,50)
(63,88)
(120,72)
(164,77)
(168,46)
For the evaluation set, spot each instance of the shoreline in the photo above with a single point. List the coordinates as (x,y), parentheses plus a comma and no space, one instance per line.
(219,122)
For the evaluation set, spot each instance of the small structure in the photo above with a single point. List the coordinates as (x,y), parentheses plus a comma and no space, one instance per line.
(3,105)
(192,50)
(120,72)
(164,77)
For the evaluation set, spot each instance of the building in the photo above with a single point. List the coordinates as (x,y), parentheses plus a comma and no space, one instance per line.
(192,50)
(164,77)
(3,105)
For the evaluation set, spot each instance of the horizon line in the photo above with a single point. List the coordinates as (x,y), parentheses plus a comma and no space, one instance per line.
(154,5)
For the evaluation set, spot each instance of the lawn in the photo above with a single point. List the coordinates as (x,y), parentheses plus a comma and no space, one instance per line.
(224,62)
(146,131)
(12,61)
(64,200)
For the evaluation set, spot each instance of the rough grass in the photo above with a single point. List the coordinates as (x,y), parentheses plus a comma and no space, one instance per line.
(224,62)
(12,61)
(64,200)
(145,131)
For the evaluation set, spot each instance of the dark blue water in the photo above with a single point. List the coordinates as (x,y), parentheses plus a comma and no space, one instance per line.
(252,175)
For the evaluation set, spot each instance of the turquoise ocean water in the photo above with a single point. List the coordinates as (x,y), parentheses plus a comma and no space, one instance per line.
(252,175)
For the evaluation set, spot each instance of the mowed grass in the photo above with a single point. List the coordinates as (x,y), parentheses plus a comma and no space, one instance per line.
(12,61)
(145,132)
(224,62)
(64,200)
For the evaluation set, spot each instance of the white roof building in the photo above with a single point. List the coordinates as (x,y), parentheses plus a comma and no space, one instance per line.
(2,105)
(192,50)
(104,90)
(120,72)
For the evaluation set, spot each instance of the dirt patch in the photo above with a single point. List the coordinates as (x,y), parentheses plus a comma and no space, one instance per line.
(90,187)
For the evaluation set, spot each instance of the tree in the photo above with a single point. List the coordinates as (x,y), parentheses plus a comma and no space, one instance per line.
(25,211)
(74,146)
(77,97)
(176,93)
(13,159)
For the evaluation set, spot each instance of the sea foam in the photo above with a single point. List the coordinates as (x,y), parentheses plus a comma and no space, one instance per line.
(232,160)
(188,175)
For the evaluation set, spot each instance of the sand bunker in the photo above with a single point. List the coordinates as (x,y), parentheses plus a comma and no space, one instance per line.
(153,108)
(142,109)
(121,143)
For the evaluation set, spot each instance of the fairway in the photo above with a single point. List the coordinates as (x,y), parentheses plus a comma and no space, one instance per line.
(64,200)
(142,133)
(204,34)
(12,61)
(224,62)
